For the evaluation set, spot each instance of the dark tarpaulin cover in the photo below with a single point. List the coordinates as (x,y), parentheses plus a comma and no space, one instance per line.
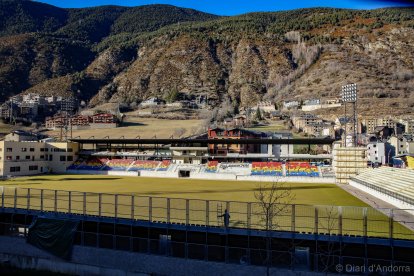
(53,235)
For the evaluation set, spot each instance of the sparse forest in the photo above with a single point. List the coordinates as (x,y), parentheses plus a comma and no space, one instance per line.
(126,55)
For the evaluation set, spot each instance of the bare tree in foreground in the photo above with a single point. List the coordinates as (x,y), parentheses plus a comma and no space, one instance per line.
(329,224)
(274,200)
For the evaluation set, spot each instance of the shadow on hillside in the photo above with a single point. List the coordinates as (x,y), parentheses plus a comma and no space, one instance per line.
(129,124)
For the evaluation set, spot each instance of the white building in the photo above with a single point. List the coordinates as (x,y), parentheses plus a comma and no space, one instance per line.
(151,102)
(291,104)
(401,145)
(35,157)
(378,152)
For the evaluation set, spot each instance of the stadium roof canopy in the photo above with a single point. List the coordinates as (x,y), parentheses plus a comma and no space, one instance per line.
(154,141)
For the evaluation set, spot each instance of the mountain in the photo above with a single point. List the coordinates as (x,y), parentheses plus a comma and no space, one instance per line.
(118,54)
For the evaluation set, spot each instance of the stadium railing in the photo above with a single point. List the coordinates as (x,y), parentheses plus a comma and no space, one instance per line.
(322,261)
(324,220)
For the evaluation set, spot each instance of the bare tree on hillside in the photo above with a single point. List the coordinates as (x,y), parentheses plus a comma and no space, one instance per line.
(274,200)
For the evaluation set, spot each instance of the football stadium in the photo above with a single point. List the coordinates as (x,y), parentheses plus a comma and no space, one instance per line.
(159,195)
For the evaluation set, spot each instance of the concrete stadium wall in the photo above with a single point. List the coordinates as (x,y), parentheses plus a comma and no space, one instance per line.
(389,199)
(212,176)
(97,261)
(123,173)
(87,172)
(159,174)
(297,179)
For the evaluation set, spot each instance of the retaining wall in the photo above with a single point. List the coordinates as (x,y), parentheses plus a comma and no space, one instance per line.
(212,176)
(97,261)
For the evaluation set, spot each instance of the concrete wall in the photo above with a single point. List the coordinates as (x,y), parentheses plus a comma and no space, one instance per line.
(95,261)
(212,176)
(389,199)
(296,179)
(319,106)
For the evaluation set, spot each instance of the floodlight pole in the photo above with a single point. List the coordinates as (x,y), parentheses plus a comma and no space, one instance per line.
(355,122)
(349,94)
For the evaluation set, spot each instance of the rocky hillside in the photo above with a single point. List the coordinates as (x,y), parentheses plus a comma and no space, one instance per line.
(115,54)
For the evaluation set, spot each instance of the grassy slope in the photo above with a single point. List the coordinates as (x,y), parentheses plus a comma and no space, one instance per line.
(144,127)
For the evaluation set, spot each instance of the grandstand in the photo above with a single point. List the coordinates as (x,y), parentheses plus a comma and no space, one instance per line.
(301,169)
(290,171)
(392,185)
(267,168)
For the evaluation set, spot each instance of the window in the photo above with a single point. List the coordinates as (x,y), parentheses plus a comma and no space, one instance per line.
(17,157)
(63,158)
(9,149)
(32,149)
(42,149)
(46,149)
(70,158)
(42,157)
(70,150)
(24,149)
(50,157)
(33,168)
(27,157)
(8,158)
(14,169)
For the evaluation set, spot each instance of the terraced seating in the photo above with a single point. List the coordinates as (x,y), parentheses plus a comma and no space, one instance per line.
(267,168)
(399,182)
(144,165)
(76,164)
(301,169)
(118,164)
(93,164)
(212,166)
(164,165)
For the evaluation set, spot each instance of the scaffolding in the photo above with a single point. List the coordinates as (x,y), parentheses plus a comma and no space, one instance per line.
(348,162)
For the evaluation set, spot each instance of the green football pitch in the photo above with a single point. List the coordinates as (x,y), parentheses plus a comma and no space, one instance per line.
(199,202)
(304,193)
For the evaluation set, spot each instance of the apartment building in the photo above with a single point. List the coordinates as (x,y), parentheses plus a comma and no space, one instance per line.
(401,145)
(300,121)
(20,158)
(370,123)
(379,152)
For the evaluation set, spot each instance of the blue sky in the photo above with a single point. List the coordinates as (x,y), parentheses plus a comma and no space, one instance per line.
(234,7)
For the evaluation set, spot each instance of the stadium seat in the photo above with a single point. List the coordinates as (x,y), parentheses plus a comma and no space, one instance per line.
(144,165)
(118,164)
(301,169)
(395,180)
(267,168)
(212,167)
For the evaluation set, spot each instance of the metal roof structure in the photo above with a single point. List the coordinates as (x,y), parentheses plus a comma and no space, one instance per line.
(162,141)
